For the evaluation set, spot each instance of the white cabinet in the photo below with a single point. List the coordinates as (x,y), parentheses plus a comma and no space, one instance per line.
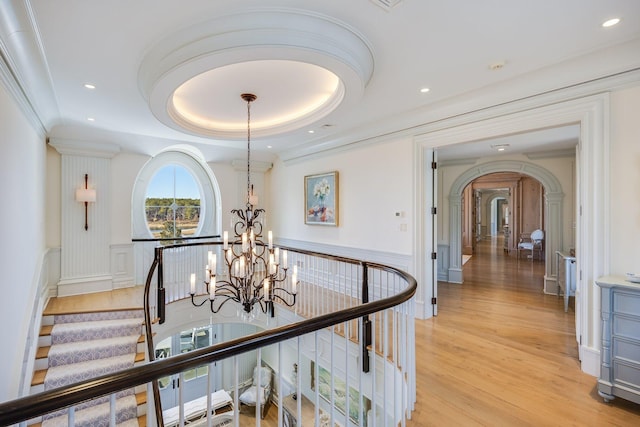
(566,268)
(620,350)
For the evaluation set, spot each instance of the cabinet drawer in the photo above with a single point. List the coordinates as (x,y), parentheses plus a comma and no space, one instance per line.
(626,303)
(627,374)
(627,349)
(625,326)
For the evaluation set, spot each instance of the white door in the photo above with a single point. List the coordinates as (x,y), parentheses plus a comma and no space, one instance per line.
(578,232)
(430,262)
(192,383)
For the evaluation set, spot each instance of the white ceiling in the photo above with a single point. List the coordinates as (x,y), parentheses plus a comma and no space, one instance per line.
(448,46)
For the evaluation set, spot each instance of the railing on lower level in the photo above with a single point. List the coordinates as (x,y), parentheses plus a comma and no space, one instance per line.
(350,334)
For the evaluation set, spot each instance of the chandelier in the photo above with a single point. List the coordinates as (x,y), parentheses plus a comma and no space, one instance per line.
(254,274)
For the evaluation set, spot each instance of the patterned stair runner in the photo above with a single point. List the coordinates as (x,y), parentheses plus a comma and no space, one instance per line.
(87,345)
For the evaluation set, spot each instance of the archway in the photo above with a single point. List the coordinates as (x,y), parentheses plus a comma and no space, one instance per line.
(552,211)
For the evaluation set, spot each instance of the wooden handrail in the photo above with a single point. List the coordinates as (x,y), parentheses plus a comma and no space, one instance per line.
(32,406)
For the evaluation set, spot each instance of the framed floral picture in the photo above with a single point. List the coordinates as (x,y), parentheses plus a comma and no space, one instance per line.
(321,199)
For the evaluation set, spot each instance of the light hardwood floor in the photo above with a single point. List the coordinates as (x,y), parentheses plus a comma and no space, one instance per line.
(499,353)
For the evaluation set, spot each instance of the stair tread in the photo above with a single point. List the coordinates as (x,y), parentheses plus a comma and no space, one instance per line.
(46,330)
(95,329)
(43,352)
(59,376)
(141,398)
(38,377)
(96,324)
(139,357)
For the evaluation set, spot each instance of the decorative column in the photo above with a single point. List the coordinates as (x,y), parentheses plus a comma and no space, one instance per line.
(455,241)
(85,253)
(553,238)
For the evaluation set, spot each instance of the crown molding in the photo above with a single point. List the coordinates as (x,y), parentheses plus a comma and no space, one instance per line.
(515,95)
(72,147)
(23,66)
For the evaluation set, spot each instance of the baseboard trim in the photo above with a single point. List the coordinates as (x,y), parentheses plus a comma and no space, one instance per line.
(84,285)
(590,362)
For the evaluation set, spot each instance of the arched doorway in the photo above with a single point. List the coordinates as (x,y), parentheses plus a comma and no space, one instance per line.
(553,199)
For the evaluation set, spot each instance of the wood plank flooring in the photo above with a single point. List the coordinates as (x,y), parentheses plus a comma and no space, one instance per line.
(501,353)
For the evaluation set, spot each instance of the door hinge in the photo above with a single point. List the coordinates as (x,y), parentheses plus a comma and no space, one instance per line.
(434,165)
(434,300)
(433,210)
(434,255)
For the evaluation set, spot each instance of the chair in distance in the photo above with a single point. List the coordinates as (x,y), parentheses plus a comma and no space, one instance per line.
(260,389)
(531,242)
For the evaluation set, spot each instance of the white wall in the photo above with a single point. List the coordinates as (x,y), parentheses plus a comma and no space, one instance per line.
(374,182)
(53,198)
(624,195)
(22,183)
(124,170)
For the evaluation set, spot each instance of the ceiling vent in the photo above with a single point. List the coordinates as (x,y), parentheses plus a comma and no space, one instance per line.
(387,4)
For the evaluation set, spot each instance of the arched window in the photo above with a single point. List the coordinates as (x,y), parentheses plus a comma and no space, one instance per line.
(175,195)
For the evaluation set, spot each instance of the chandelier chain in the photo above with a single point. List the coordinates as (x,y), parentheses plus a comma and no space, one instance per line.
(248,149)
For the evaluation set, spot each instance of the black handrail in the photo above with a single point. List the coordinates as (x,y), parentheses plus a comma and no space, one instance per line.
(163,239)
(32,406)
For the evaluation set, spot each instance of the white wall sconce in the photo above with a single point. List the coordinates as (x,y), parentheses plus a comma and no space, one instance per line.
(86,195)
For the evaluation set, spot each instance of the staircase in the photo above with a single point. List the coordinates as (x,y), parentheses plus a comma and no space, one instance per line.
(76,346)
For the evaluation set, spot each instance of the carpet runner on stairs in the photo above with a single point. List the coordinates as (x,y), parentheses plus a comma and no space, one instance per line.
(88,345)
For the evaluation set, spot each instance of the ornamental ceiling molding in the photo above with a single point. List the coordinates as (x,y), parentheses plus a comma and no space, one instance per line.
(265,34)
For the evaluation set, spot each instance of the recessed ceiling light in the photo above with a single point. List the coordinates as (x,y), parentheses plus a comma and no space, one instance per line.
(500,147)
(610,22)
(424,90)
(497,65)
(91,119)
(89,86)
(269,146)
(311,131)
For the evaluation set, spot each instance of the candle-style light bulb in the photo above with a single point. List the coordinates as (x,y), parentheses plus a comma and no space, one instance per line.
(285,254)
(225,240)
(193,284)
(213,264)
(270,236)
(267,285)
(294,279)
(242,266)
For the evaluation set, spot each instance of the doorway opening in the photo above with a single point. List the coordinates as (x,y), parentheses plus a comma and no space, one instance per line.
(504,208)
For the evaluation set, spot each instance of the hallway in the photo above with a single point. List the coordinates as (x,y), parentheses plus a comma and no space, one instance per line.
(501,353)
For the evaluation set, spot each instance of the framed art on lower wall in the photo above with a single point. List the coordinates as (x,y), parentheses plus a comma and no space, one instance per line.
(321,199)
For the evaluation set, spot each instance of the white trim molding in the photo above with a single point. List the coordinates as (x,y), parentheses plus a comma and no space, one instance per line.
(549,110)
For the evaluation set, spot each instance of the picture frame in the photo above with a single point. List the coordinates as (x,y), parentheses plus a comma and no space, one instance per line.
(321,199)
(324,381)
